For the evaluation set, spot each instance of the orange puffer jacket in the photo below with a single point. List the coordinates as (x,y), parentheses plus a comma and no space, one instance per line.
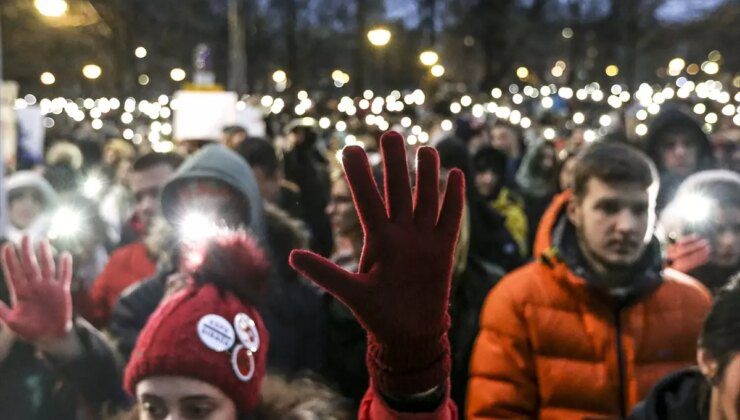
(551,347)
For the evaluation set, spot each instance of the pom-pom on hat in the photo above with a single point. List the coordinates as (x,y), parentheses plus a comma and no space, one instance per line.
(211,330)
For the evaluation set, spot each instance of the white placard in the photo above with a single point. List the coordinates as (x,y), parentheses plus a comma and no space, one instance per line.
(202,115)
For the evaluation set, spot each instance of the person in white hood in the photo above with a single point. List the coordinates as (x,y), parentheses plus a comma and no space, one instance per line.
(31,200)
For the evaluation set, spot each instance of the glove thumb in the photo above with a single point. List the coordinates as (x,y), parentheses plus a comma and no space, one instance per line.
(326,274)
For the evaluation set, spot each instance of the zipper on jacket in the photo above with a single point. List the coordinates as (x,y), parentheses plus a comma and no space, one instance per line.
(620,365)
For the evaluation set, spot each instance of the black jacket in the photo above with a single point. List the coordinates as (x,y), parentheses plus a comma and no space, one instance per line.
(683,395)
(36,387)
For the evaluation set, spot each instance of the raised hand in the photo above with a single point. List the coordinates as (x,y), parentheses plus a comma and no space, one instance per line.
(401,293)
(688,253)
(39,293)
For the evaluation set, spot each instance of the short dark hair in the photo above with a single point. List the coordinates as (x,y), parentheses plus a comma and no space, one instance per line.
(153,159)
(259,153)
(720,336)
(613,163)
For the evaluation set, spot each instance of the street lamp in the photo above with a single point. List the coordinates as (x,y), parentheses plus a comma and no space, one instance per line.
(177,74)
(92,71)
(51,8)
(428,58)
(379,37)
(48,78)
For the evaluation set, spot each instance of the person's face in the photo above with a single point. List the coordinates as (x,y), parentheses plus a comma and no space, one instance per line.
(341,210)
(212,200)
(181,398)
(547,159)
(269,184)
(567,174)
(725,238)
(504,139)
(577,139)
(725,393)
(486,182)
(614,222)
(25,208)
(679,154)
(146,186)
(233,140)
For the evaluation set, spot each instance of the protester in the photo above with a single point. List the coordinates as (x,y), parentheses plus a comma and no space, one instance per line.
(712,390)
(116,202)
(400,292)
(567,168)
(306,165)
(344,334)
(489,165)
(268,169)
(679,147)
(508,139)
(490,240)
(64,165)
(234,136)
(52,365)
(589,327)
(137,260)
(214,189)
(704,221)
(31,201)
(537,182)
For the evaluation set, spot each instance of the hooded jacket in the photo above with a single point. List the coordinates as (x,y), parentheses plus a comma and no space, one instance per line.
(291,311)
(552,345)
(674,119)
(31,180)
(683,395)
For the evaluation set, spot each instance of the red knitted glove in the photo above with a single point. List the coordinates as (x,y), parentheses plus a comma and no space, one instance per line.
(39,295)
(688,253)
(401,293)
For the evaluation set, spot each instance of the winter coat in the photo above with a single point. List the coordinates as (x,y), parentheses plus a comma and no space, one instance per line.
(34,386)
(126,266)
(674,119)
(511,207)
(555,344)
(307,166)
(292,309)
(683,395)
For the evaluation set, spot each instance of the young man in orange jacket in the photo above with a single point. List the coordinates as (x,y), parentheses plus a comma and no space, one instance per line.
(594,322)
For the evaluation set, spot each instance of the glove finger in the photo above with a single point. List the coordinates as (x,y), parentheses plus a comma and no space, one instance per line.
(325,273)
(426,207)
(65,271)
(48,267)
(454,201)
(396,177)
(14,275)
(28,258)
(370,208)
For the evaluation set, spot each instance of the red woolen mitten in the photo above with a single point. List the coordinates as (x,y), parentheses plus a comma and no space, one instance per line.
(39,295)
(401,293)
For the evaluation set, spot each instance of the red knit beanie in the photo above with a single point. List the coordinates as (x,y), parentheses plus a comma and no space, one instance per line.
(210,331)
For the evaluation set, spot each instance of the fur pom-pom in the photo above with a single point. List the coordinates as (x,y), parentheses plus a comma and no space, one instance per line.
(234,262)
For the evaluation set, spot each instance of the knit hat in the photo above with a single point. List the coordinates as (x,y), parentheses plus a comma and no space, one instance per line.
(211,330)
(488,158)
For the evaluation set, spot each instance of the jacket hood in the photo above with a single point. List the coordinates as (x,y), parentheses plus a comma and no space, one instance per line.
(678,396)
(673,119)
(30,179)
(556,245)
(529,178)
(218,163)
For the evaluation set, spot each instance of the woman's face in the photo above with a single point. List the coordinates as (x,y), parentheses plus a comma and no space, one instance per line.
(341,210)
(25,208)
(181,398)
(725,392)
(567,174)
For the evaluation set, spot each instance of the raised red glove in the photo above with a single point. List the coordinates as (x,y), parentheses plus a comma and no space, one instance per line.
(39,295)
(688,253)
(401,293)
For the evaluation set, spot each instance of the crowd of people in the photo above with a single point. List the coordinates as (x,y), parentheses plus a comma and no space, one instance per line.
(485,274)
